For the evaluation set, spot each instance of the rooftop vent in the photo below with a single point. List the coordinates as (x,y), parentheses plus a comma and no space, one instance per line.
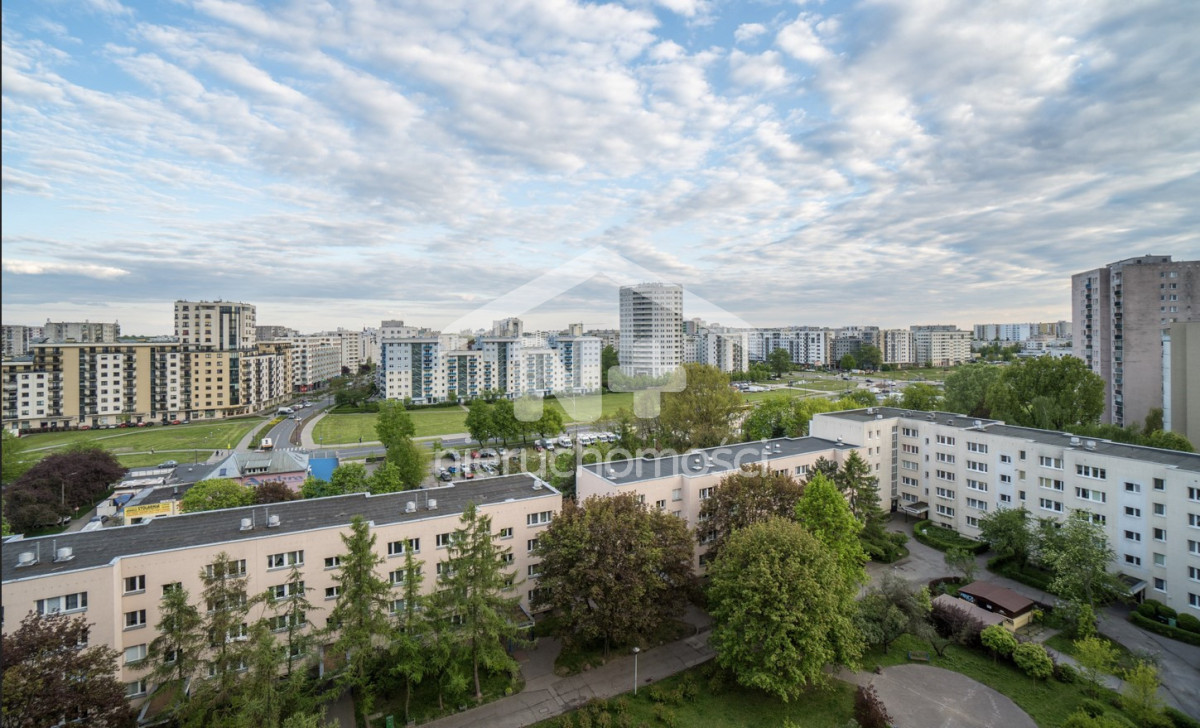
(879,417)
(410,507)
(26,558)
(1075,441)
(247,524)
(778,447)
(839,441)
(949,422)
(870,410)
(929,417)
(609,472)
(273,521)
(1090,444)
(66,553)
(979,423)
(432,505)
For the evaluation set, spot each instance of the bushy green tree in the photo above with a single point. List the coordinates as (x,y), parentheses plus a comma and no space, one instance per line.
(824,513)
(921,396)
(1047,392)
(1007,532)
(1096,656)
(408,649)
(893,608)
(479,420)
(216,493)
(743,497)
(1032,658)
(173,657)
(870,357)
(1141,694)
(1079,555)
(780,361)
(349,478)
(999,640)
(225,624)
(967,389)
(393,424)
(782,609)
(703,414)
(962,561)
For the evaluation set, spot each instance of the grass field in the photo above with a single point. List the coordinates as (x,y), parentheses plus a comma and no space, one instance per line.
(727,707)
(348,428)
(1125,658)
(162,440)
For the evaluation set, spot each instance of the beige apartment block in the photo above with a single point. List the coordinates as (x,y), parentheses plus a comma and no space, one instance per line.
(1181,380)
(215,325)
(955,469)
(116,577)
(679,484)
(941,345)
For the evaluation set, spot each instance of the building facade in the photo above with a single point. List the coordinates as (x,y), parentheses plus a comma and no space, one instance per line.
(941,346)
(215,325)
(807,346)
(651,329)
(116,576)
(18,338)
(81,332)
(1119,313)
(896,346)
(1181,380)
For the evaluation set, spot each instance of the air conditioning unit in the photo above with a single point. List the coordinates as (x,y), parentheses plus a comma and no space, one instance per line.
(66,553)
(1075,441)
(26,558)
(273,521)
(247,524)
(410,507)
(432,505)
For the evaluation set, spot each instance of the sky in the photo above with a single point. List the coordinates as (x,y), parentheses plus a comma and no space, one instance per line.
(885,162)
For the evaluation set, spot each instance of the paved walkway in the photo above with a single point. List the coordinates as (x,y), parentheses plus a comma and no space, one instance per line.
(923,696)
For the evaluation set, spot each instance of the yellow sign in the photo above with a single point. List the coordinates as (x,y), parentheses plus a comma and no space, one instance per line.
(150,510)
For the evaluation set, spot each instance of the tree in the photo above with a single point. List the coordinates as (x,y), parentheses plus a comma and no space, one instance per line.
(781,609)
(847,362)
(1079,559)
(505,425)
(773,417)
(1168,441)
(1006,531)
(967,390)
(274,491)
(1096,656)
(780,361)
(750,495)
(314,487)
(1141,694)
(349,478)
(892,608)
(479,420)
(702,415)
(393,424)
(173,657)
(824,513)
(999,640)
(216,493)
(613,570)
(291,614)
(474,580)
(962,561)
(550,423)
(259,702)
(870,357)
(360,615)
(12,449)
(408,649)
(1047,392)
(225,626)
(608,360)
(57,485)
(921,396)
(1034,660)
(49,679)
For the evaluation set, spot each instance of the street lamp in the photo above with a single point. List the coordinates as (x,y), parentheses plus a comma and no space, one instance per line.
(636,650)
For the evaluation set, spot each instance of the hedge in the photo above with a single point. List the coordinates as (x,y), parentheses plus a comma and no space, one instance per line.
(1165,630)
(1029,576)
(943,539)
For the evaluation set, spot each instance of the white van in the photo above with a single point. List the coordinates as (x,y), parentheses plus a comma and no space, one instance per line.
(285,411)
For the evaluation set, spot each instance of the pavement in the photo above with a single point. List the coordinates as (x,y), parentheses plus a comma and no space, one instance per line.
(923,696)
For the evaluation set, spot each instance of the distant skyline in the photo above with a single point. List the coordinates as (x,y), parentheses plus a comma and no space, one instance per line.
(881,162)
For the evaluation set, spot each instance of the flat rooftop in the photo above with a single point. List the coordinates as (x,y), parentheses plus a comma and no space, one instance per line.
(1170,458)
(211,528)
(719,459)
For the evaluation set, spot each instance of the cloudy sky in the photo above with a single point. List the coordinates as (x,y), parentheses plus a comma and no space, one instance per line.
(883,162)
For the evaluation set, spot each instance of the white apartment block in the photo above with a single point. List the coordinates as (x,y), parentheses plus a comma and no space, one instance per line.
(116,577)
(651,329)
(728,351)
(941,346)
(18,338)
(955,469)
(313,363)
(348,343)
(81,332)
(215,325)
(1015,333)
(897,347)
(807,346)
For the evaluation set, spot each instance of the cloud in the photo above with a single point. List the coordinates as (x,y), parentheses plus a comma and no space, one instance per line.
(747,32)
(41,268)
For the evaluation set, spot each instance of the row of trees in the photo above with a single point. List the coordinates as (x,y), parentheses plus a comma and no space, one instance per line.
(499,422)
(57,485)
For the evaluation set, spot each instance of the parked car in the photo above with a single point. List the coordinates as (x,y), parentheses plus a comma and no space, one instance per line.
(168,464)
(453,456)
(468,474)
(446,477)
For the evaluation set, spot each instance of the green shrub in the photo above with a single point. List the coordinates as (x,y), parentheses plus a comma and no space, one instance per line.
(998,639)
(1064,673)
(1180,719)
(1029,575)
(944,539)
(1033,659)
(1148,609)
(1188,623)
(1157,627)
(1094,708)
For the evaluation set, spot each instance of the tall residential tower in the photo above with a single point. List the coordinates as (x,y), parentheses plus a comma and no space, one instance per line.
(651,329)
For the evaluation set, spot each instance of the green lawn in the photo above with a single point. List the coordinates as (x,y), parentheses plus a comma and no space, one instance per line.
(220,435)
(1066,645)
(721,706)
(337,429)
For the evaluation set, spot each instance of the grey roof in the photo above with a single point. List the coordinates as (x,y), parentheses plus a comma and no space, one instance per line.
(1170,458)
(98,548)
(711,460)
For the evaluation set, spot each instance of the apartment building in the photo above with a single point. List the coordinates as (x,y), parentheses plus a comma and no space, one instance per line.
(807,346)
(726,350)
(116,576)
(941,345)
(274,333)
(313,363)
(215,325)
(651,329)
(1119,313)
(608,337)
(679,484)
(348,343)
(18,338)
(1020,332)
(955,469)
(1181,380)
(81,332)
(896,346)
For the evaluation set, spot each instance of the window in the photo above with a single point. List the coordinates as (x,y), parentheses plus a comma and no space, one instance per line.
(1133,536)
(1096,518)
(660,505)
(1006,458)
(945,510)
(977,447)
(910,449)
(1194,600)
(1005,498)
(1050,505)
(1194,520)
(1194,547)
(709,536)
(397,606)
(1022,455)
(943,457)
(1160,584)
(1193,573)
(65,603)
(1133,512)
(507,557)
(1089,471)
(135,688)
(396,548)
(706,493)
(333,562)
(534,570)
(909,432)
(137,653)
(285,559)
(977,504)
(443,540)
(910,482)
(506,532)
(946,475)
(1050,483)
(1160,559)
(397,577)
(977,466)
(677,494)
(909,465)
(945,493)
(978,485)
(1160,509)
(531,545)
(332,592)
(135,619)
(1006,479)
(1193,494)
(134,584)
(972,521)
(945,440)
(234,569)
(1133,560)
(1160,484)
(538,519)
(1091,494)
(283,591)
(1133,488)
(172,586)
(1049,462)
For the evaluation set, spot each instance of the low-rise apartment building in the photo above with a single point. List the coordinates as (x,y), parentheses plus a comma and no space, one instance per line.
(955,469)
(116,577)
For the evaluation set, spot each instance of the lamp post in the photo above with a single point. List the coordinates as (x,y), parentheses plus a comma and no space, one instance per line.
(636,650)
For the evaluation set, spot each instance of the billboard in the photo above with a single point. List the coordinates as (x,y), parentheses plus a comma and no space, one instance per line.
(150,510)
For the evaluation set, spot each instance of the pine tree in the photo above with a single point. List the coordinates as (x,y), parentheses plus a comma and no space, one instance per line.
(225,624)
(360,614)
(174,656)
(291,612)
(475,581)
(408,649)
(259,704)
